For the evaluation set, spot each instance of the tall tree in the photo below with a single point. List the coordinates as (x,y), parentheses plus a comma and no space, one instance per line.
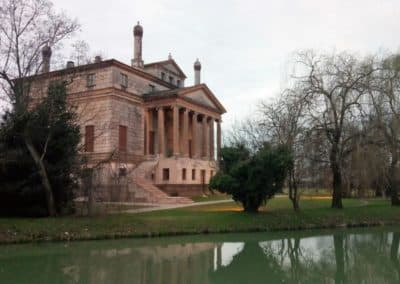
(284,123)
(384,92)
(51,126)
(332,86)
(26,27)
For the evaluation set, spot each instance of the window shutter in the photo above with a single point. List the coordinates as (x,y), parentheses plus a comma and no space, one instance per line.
(122,138)
(89,138)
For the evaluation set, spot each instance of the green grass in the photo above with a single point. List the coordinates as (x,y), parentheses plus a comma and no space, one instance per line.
(217,218)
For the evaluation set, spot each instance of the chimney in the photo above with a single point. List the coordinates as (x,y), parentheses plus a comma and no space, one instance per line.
(197,69)
(97,59)
(46,55)
(137,60)
(70,64)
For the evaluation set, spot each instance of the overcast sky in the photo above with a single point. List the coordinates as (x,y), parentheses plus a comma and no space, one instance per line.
(244,46)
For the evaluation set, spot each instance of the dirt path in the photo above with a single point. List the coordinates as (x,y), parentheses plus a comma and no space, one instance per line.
(157,207)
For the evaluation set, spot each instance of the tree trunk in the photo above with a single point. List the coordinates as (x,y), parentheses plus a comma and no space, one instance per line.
(394,196)
(338,243)
(394,248)
(337,179)
(293,190)
(43,175)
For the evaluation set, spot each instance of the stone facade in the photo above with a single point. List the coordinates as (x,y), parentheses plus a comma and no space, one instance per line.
(148,131)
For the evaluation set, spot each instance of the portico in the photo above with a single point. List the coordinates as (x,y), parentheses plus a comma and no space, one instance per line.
(179,131)
(183,133)
(177,127)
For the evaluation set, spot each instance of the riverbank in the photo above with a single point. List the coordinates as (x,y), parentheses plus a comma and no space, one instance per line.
(216,218)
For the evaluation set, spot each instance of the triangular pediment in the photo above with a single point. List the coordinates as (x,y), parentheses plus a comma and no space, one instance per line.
(172,68)
(169,64)
(202,95)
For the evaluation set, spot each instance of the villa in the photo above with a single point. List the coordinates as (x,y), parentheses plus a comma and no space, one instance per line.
(149,137)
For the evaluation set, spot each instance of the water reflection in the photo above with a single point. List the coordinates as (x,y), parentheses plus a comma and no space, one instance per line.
(356,257)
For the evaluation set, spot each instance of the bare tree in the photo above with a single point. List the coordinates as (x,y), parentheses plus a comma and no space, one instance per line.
(26,27)
(385,114)
(332,86)
(284,123)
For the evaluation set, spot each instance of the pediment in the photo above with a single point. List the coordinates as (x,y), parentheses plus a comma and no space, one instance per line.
(202,95)
(169,64)
(171,68)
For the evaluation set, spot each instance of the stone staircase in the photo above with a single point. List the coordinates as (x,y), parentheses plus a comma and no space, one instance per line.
(145,191)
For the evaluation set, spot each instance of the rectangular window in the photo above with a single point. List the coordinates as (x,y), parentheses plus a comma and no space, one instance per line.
(165,174)
(162,76)
(183,174)
(178,83)
(122,138)
(91,80)
(203,176)
(211,174)
(124,80)
(193,174)
(89,138)
(171,79)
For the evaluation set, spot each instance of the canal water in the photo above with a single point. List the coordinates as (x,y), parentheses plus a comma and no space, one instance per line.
(347,256)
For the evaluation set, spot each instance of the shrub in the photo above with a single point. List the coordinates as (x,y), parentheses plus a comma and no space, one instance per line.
(251,179)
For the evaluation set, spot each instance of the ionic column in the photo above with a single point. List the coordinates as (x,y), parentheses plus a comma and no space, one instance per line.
(147,131)
(206,139)
(212,139)
(185,138)
(195,136)
(175,130)
(161,131)
(219,140)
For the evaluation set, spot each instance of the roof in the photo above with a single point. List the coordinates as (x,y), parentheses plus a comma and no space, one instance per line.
(183,92)
(103,64)
(165,62)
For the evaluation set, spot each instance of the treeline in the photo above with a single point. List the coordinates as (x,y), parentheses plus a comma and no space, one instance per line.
(340,119)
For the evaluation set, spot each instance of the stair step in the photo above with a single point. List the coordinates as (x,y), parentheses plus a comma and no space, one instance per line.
(153,193)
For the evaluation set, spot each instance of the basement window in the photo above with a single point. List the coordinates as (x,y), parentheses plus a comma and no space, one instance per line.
(165,174)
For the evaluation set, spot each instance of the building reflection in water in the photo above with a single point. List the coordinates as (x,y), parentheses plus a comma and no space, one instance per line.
(336,258)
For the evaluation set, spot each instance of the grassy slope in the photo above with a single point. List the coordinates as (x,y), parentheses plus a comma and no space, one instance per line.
(225,217)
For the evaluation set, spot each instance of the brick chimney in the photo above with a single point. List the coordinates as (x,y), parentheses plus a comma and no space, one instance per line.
(46,56)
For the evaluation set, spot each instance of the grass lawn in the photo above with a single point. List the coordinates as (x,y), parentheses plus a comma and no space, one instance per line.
(226,217)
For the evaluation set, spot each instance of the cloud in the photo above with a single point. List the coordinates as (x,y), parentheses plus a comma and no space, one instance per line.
(244,46)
